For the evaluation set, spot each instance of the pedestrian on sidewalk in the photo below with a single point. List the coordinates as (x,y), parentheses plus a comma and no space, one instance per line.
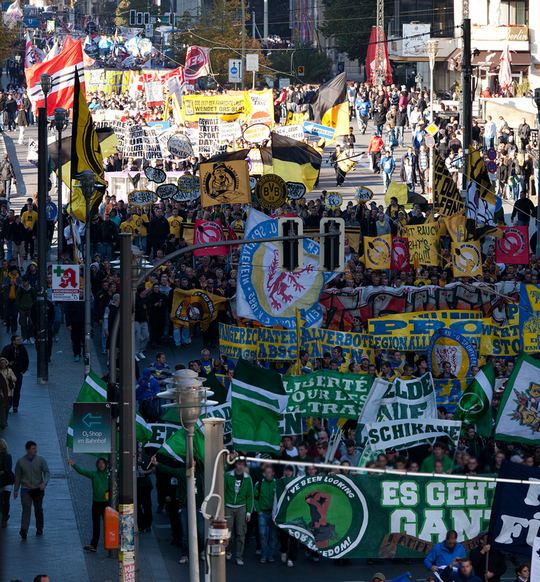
(7,478)
(22,122)
(74,313)
(388,165)
(26,297)
(7,384)
(7,175)
(17,356)
(31,478)
(16,237)
(100,496)
(10,285)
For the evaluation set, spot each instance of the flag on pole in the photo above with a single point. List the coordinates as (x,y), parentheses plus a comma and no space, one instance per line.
(474,406)
(53,52)
(175,446)
(505,68)
(519,419)
(32,55)
(258,399)
(85,154)
(295,161)
(331,107)
(197,63)
(94,389)
(63,68)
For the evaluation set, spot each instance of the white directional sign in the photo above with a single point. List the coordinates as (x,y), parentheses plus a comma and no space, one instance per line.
(235,70)
(252,62)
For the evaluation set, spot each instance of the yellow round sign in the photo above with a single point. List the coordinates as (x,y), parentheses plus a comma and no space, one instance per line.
(271,191)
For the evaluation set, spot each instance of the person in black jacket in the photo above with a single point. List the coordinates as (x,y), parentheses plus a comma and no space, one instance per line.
(107,237)
(74,312)
(17,356)
(7,479)
(486,560)
(523,210)
(158,230)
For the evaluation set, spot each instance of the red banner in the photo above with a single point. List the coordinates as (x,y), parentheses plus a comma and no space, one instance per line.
(399,261)
(197,63)
(513,247)
(208,231)
(371,59)
(62,69)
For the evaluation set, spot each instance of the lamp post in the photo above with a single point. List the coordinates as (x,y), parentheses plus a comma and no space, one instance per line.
(537,102)
(432,48)
(87,181)
(43,175)
(61,123)
(189,396)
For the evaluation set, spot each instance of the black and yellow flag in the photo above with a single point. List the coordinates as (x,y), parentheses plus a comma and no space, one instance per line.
(195,306)
(85,154)
(331,107)
(294,161)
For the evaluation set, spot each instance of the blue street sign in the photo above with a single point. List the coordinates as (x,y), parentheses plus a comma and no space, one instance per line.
(323,131)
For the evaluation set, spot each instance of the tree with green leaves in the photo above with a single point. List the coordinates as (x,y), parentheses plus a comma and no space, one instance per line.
(317,66)
(348,23)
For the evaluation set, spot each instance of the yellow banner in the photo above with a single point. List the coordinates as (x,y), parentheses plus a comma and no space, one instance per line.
(259,107)
(467,259)
(267,343)
(423,244)
(225,183)
(228,106)
(102,80)
(378,251)
(456,227)
(413,331)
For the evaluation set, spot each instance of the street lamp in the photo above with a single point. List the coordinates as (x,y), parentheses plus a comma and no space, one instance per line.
(87,181)
(537,103)
(432,48)
(61,123)
(43,177)
(46,86)
(189,395)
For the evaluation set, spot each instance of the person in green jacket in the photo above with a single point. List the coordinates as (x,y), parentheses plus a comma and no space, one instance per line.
(264,494)
(438,454)
(100,496)
(238,507)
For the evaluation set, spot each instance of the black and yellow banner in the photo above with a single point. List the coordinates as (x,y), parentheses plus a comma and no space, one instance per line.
(331,107)
(295,161)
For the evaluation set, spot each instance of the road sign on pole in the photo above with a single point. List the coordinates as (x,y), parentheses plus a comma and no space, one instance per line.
(252,62)
(235,70)
(319,130)
(92,427)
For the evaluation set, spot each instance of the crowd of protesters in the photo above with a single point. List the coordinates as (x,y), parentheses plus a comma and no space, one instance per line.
(399,118)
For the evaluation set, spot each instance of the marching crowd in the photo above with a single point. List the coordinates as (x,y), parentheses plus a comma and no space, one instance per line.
(161,228)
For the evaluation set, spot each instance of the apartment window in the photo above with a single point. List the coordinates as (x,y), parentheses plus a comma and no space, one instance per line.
(513,12)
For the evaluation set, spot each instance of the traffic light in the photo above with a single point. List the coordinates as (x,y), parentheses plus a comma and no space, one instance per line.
(332,255)
(291,252)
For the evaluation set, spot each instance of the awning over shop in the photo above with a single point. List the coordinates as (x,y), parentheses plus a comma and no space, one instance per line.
(489,59)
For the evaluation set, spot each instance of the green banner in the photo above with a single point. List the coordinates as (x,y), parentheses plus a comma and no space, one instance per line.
(381,517)
(329,394)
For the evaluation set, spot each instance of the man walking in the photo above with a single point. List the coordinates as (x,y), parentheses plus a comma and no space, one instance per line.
(31,478)
(7,174)
(265,490)
(238,507)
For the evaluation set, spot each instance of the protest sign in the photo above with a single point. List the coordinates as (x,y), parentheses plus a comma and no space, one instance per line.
(446,196)
(423,244)
(450,349)
(266,343)
(401,399)
(514,516)
(529,317)
(467,259)
(224,183)
(381,517)
(378,251)
(513,247)
(328,394)
(195,107)
(412,331)
(208,136)
(403,434)
(179,146)
(293,131)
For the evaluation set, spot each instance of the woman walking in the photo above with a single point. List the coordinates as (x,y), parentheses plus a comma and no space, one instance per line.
(7,384)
